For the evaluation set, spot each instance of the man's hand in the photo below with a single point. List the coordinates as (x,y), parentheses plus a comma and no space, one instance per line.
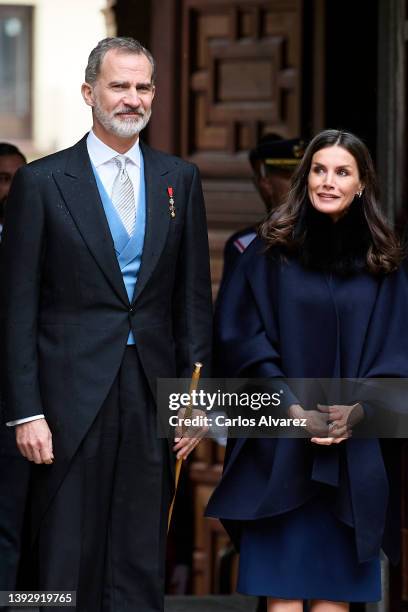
(188,437)
(34,441)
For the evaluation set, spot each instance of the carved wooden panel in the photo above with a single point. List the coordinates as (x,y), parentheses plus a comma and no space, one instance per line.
(241,78)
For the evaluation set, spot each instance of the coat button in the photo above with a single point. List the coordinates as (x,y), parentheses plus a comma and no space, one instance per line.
(131,310)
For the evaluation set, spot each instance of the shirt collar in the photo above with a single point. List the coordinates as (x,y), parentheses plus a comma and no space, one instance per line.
(100,153)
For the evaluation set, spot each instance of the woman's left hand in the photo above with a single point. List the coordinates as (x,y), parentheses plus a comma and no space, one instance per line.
(341,420)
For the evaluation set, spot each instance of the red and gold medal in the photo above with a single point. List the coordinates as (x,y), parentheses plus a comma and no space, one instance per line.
(172,208)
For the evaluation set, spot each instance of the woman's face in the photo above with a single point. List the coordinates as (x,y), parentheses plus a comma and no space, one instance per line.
(333,181)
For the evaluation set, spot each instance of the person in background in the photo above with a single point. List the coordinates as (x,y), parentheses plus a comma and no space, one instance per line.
(14,469)
(273,161)
(11,159)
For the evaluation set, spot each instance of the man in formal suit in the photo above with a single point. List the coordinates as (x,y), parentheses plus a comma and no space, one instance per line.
(108,291)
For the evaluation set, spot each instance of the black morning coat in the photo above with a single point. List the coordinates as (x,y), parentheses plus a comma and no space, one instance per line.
(65,314)
(280,319)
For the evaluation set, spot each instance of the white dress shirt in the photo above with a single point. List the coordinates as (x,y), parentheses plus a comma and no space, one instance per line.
(102,158)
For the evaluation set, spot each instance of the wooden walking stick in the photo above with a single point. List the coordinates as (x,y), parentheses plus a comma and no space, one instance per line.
(187,415)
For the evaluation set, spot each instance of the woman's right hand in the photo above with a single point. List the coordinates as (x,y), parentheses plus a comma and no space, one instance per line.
(316,421)
(317,425)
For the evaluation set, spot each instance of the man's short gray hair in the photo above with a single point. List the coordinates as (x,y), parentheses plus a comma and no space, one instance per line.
(123,44)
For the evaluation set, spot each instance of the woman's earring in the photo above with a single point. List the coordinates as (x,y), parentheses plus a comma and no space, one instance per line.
(359,193)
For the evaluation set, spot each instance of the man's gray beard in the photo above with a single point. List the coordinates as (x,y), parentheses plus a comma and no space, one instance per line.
(124,128)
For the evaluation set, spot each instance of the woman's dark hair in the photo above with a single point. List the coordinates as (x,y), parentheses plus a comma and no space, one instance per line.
(281,228)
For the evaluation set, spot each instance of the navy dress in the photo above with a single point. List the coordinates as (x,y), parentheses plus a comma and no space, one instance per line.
(309,520)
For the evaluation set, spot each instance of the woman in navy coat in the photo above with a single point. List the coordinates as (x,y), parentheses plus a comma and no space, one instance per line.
(320,294)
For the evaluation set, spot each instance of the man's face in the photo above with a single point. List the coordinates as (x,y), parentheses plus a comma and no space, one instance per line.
(122,95)
(9,164)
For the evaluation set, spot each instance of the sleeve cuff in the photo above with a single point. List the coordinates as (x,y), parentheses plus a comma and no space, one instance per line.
(26,420)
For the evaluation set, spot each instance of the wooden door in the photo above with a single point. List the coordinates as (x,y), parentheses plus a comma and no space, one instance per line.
(228,72)
(239,78)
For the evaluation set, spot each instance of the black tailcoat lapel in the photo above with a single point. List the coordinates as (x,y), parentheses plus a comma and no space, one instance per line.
(78,187)
(80,192)
(157,217)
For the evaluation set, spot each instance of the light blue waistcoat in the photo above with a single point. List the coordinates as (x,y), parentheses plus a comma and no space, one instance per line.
(128,250)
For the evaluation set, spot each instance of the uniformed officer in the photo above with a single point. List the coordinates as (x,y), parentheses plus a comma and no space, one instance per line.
(273,161)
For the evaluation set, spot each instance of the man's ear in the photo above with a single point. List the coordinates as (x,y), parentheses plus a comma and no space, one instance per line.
(88,94)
